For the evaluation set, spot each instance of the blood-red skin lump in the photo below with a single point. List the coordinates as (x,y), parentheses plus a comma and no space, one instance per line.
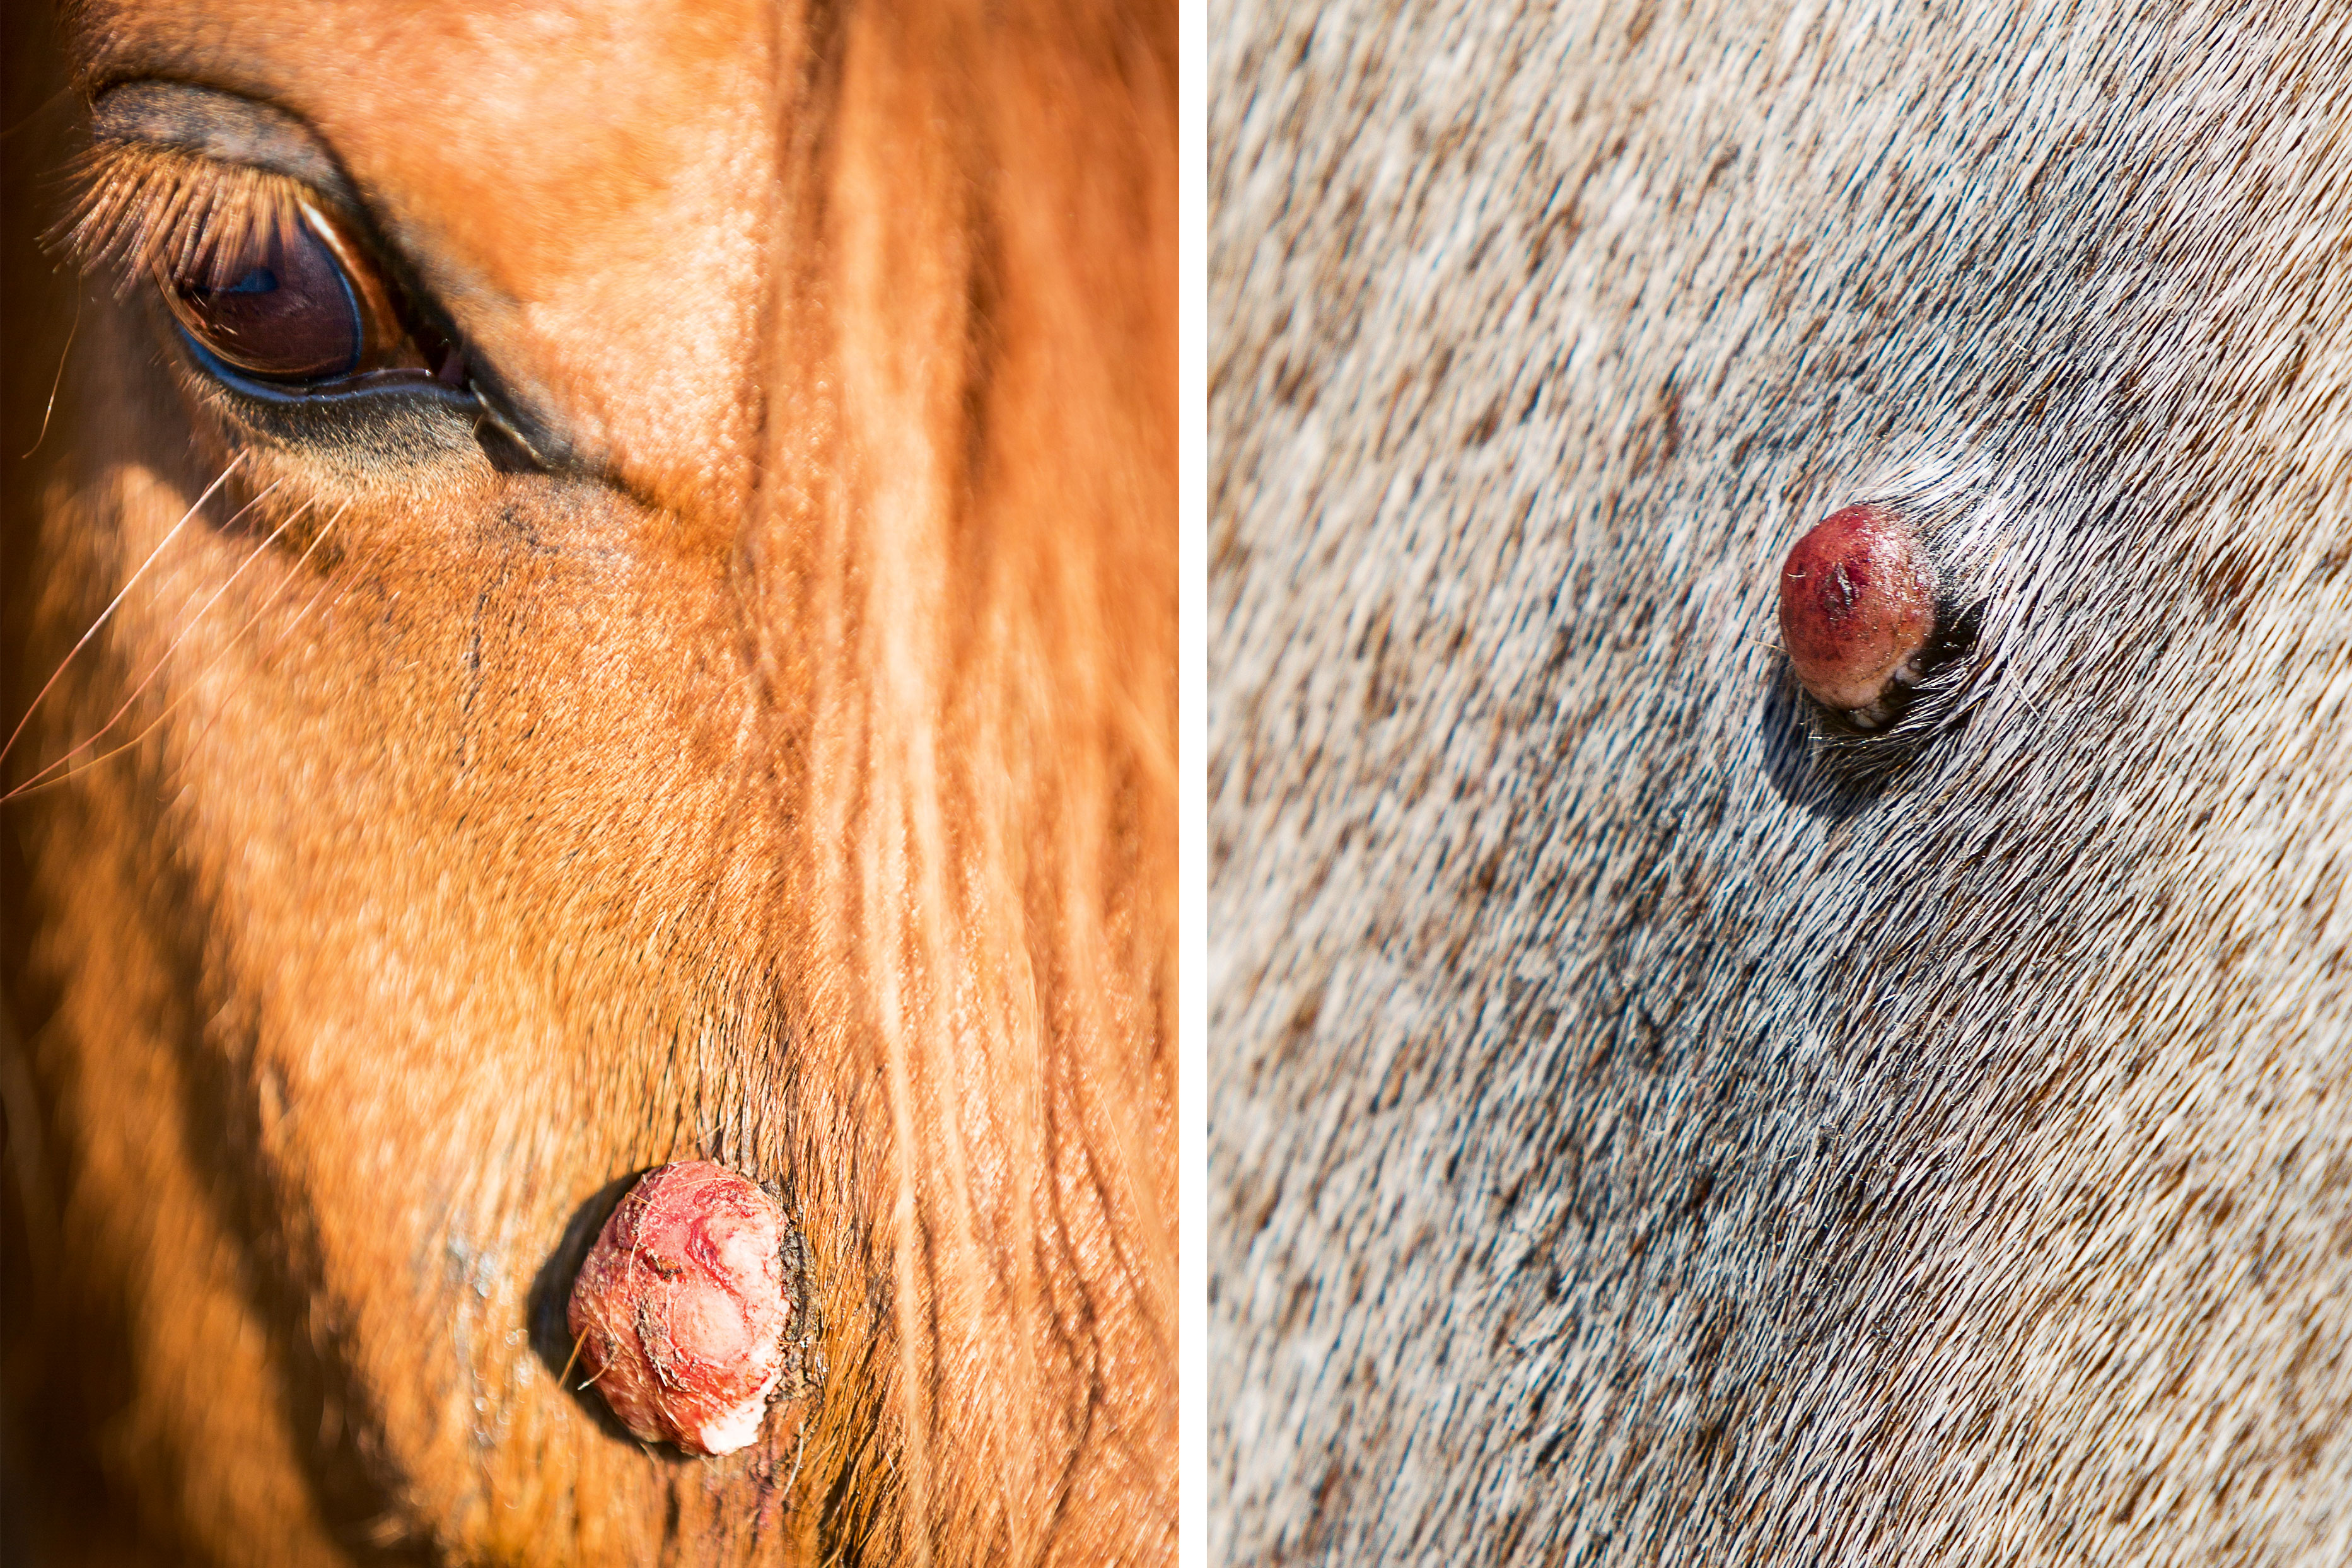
(1857,611)
(679,1309)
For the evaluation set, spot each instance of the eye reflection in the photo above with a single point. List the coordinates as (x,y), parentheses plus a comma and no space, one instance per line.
(289,315)
(296,303)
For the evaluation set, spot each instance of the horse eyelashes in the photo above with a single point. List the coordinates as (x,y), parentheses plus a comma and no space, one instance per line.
(263,281)
(154,211)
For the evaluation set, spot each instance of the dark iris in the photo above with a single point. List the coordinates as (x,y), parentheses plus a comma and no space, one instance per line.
(289,316)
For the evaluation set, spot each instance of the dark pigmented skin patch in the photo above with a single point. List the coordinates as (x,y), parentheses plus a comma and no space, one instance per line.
(1858,611)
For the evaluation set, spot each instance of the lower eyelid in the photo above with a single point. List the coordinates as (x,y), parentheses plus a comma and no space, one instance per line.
(364,428)
(359,387)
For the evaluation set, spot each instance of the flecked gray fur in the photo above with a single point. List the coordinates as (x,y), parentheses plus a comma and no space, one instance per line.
(1640,1136)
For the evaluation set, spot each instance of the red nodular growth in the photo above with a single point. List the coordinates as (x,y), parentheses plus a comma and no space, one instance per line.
(1857,611)
(679,1310)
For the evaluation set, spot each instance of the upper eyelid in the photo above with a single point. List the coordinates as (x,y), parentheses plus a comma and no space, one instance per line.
(223,127)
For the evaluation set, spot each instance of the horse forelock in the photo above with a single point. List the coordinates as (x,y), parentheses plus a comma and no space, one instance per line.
(987,787)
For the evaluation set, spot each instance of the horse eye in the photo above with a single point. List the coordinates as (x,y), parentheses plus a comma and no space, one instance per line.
(291,303)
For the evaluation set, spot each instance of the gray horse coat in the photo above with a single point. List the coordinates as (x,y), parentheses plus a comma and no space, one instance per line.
(1652,1125)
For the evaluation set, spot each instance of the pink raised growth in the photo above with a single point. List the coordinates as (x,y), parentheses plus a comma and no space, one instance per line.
(679,1310)
(1857,611)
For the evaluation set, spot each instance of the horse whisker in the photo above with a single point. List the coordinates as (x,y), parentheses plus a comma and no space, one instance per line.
(157,668)
(38,782)
(115,604)
(50,407)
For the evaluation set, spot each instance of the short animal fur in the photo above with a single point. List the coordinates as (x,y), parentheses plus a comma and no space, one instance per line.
(751,738)
(1654,1129)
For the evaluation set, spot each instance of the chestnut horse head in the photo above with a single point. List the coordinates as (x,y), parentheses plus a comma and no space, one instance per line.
(596,588)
